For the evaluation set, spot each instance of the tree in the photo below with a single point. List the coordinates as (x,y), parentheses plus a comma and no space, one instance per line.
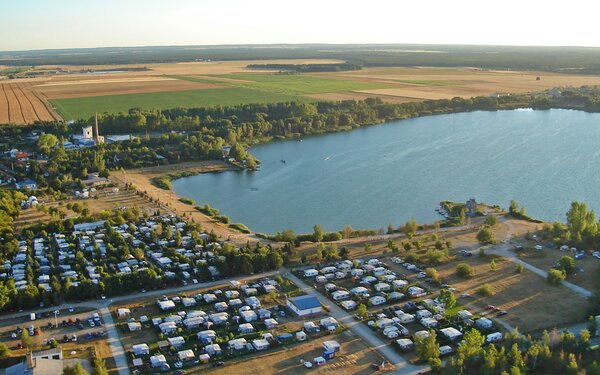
(317,233)
(237,152)
(393,246)
(493,265)
(46,142)
(25,339)
(555,276)
(99,367)
(491,220)
(347,232)
(4,350)
(344,252)
(433,274)
(427,348)
(362,311)
(486,290)
(410,228)
(485,235)
(572,367)
(581,223)
(567,264)
(584,337)
(448,299)
(464,270)
(76,369)
(472,344)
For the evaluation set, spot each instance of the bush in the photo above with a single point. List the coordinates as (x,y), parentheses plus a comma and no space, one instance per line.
(519,268)
(222,218)
(186,200)
(555,276)
(485,290)
(162,183)
(464,270)
(240,228)
(433,274)
(485,235)
(567,264)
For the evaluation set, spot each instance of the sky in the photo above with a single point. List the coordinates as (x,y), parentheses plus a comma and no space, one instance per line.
(50,24)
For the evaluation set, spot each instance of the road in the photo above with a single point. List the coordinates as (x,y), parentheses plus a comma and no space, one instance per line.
(403,367)
(504,249)
(114,340)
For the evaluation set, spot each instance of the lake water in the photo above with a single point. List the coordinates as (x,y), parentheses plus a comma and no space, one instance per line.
(390,173)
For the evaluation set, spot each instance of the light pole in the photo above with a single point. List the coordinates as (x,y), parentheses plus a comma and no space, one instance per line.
(56,312)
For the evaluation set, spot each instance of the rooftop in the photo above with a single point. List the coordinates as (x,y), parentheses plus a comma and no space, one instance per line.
(306,302)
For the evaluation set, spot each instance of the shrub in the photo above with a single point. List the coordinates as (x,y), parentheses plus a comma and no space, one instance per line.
(240,227)
(464,270)
(186,200)
(556,276)
(485,290)
(433,274)
(162,183)
(519,268)
(485,235)
(567,264)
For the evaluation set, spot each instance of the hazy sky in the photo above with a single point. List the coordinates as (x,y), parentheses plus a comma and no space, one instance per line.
(40,24)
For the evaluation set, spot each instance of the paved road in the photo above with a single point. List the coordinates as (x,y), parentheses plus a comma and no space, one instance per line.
(114,341)
(403,367)
(505,249)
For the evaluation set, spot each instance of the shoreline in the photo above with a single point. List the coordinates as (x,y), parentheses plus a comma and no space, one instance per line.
(142,178)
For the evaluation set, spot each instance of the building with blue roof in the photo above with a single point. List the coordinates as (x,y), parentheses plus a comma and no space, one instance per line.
(305,305)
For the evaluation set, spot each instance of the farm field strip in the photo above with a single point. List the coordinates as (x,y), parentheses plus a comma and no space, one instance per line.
(75,108)
(4,108)
(14,109)
(20,105)
(27,110)
(44,100)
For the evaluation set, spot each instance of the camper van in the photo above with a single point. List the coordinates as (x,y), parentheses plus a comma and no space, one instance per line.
(311,272)
(445,350)
(405,318)
(494,337)
(340,295)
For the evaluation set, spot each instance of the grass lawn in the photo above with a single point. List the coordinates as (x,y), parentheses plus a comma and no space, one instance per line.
(75,108)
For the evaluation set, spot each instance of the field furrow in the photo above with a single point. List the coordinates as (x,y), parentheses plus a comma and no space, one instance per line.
(16,115)
(44,100)
(41,109)
(27,111)
(3,107)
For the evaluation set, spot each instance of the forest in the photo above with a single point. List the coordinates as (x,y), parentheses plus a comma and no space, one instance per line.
(558,59)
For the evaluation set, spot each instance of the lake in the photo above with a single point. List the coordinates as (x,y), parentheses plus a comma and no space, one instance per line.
(393,172)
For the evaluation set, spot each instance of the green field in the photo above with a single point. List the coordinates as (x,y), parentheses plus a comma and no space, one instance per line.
(299,84)
(250,88)
(75,108)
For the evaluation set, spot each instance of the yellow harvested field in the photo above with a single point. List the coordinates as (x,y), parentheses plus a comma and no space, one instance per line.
(432,83)
(19,104)
(360,96)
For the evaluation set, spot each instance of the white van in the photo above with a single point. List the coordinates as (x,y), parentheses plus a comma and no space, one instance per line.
(406,318)
(494,337)
(445,350)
